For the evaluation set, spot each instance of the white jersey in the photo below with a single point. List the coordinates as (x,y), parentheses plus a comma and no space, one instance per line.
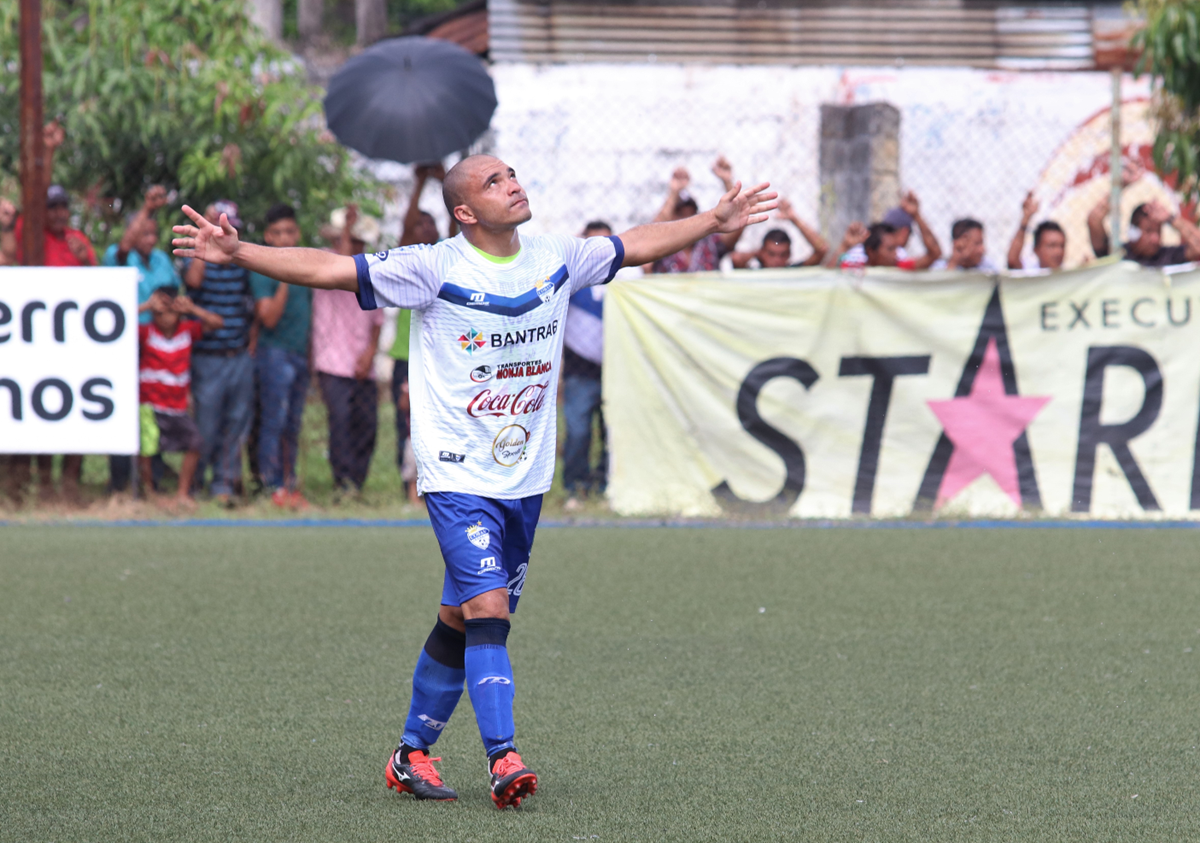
(484,353)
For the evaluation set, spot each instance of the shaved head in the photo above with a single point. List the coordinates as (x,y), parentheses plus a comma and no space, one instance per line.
(482,190)
(457,181)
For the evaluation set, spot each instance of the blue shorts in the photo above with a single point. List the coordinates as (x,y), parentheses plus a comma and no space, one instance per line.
(485,543)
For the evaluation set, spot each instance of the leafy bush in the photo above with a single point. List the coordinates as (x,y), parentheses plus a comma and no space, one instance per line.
(184,93)
(1170,45)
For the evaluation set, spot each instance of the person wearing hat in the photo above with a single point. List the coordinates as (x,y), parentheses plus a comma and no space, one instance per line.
(344,341)
(65,246)
(705,255)
(902,218)
(222,369)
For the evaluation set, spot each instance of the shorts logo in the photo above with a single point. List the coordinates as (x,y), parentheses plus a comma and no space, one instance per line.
(471,341)
(493,680)
(478,535)
(447,456)
(481,374)
(436,725)
(517,583)
(488,564)
(508,448)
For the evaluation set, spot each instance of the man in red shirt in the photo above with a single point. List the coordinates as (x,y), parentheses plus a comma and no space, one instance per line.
(164,380)
(65,246)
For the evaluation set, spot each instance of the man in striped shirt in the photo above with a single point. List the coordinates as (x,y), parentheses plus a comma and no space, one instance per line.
(222,369)
(164,375)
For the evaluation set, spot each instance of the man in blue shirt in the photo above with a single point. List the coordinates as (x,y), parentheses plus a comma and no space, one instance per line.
(222,369)
(138,248)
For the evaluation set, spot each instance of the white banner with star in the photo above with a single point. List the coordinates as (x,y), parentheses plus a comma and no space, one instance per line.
(829,395)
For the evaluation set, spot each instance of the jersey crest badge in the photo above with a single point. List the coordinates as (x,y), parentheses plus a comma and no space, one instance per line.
(478,535)
(544,289)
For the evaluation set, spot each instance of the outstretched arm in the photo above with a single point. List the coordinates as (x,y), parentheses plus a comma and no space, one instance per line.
(306,267)
(737,209)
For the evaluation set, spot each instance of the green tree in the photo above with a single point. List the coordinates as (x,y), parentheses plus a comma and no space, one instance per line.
(1170,45)
(183,93)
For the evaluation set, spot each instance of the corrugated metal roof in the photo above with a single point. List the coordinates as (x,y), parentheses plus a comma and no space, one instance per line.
(920,32)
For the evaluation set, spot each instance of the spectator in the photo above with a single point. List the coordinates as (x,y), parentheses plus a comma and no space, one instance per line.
(776,250)
(902,219)
(1049,241)
(1145,235)
(64,247)
(345,338)
(138,248)
(868,246)
(583,354)
(222,368)
(165,352)
(284,312)
(967,249)
(705,255)
(419,228)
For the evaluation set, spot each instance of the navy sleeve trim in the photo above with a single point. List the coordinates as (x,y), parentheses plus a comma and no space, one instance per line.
(618,260)
(366,292)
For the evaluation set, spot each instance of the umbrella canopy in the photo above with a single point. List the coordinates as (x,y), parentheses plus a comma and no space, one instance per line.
(410,99)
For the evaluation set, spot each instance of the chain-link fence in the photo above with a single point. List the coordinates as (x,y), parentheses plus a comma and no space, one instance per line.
(600,142)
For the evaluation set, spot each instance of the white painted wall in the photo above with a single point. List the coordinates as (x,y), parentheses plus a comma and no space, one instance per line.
(599,141)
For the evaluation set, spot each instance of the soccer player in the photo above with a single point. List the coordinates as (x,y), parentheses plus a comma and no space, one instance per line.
(489,309)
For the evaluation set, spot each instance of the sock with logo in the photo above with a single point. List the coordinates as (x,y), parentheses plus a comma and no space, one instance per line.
(437,686)
(490,682)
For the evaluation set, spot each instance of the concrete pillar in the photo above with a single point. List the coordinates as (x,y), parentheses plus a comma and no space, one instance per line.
(308,18)
(859,164)
(370,21)
(268,15)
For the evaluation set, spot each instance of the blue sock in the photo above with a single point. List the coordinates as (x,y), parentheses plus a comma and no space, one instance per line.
(437,686)
(490,682)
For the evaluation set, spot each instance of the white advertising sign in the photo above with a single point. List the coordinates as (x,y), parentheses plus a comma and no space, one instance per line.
(68,360)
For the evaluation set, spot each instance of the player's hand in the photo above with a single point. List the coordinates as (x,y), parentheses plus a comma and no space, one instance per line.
(1029,207)
(156,197)
(205,241)
(910,204)
(680,179)
(723,170)
(739,208)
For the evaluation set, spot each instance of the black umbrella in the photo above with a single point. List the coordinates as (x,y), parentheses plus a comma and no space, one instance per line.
(410,99)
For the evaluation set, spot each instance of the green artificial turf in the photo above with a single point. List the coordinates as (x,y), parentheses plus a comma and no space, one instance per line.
(247,684)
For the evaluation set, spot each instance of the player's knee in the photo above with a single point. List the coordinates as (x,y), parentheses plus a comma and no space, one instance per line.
(490,604)
(452,616)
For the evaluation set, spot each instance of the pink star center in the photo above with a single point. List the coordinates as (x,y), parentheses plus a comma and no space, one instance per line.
(983,426)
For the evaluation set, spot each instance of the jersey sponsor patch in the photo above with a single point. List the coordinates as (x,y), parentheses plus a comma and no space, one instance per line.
(447,456)
(471,341)
(508,448)
(525,401)
(479,535)
(481,374)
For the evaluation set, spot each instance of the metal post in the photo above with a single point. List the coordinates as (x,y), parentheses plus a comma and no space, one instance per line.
(34,177)
(1114,163)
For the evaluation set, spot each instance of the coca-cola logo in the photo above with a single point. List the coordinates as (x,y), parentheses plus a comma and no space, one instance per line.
(508,448)
(528,400)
